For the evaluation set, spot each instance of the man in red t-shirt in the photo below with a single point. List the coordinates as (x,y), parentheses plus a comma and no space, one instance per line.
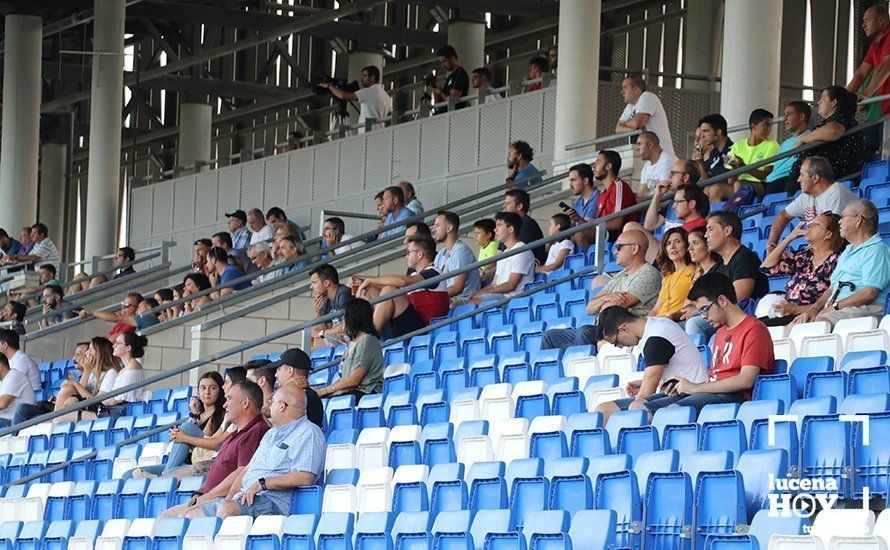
(616,193)
(244,402)
(875,23)
(742,349)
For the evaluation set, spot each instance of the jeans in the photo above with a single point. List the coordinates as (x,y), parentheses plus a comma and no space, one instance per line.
(4,423)
(27,411)
(698,325)
(696,401)
(178,454)
(562,338)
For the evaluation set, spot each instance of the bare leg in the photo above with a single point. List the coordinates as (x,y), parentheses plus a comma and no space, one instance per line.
(607,410)
(227,508)
(65,392)
(96,281)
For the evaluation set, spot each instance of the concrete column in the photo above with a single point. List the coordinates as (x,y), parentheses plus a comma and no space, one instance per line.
(106,102)
(699,47)
(53,164)
(752,48)
(468,38)
(194,134)
(579,55)
(357,61)
(21,121)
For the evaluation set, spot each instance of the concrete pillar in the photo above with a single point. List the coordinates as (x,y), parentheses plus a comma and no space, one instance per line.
(358,60)
(194,134)
(699,47)
(579,55)
(53,165)
(21,121)
(106,102)
(468,38)
(752,48)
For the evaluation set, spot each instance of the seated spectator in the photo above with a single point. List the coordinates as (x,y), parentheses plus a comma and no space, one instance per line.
(644,111)
(14,391)
(18,359)
(13,316)
(124,256)
(742,350)
(53,300)
(483,234)
(518,202)
(657,162)
(276,216)
(403,314)
(100,369)
(361,370)
(412,203)
(125,320)
(755,148)
(238,256)
(557,251)
(809,267)
(46,276)
(259,373)
(333,233)
(8,245)
(677,271)
(225,270)
(667,352)
(290,455)
(292,369)
(128,347)
(291,250)
(537,66)
(163,297)
(43,252)
(820,193)
(713,153)
(861,280)
(616,194)
(634,288)
(553,57)
(454,255)
(394,209)
(194,283)
(284,231)
(797,124)
(260,231)
(243,402)
(520,170)
(260,255)
(683,173)
(199,262)
(237,223)
(513,273)
(416,228)
(584,208)
(481,81)
(26,240)
(27,411)
(702,257)
(837,107)
(329,295)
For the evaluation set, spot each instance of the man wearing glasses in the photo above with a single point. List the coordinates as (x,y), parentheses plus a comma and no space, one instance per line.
(124,320)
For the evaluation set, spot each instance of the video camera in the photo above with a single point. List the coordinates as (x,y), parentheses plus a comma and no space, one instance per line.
(338,83)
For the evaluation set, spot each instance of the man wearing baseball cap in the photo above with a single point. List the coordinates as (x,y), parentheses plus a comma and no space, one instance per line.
(238,229)
(293,368)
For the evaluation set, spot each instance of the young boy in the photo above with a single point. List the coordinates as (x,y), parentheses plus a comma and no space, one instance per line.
(558,251)
(483,233)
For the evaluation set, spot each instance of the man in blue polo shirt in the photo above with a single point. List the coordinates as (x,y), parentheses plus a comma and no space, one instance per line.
(394,206)
(862,276)
(584,208)
(454,255)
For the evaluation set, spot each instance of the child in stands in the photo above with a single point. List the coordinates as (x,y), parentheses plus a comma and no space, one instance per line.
(558,251)
(483,233)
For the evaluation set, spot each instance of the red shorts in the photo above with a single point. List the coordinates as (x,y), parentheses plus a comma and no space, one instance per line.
(429,304)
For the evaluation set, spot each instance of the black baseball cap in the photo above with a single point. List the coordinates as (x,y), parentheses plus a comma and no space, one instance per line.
(295,358)
(238,214)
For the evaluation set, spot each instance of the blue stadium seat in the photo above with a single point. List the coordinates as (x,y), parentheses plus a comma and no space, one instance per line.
(372,530)
(453,377)
(306,500)
(298,531)
(756,467)
(668,504)
(159,496)
(528,487)
(719,504)
(574,303)
(169,533)
(863,359)
(486,486)
(586,435)
(706,461)
(9,532)
(490,526)
(803,366)
(157,404)
(867,403)
(399,409)
(339,412)
(187,487)
(619,491)
(447,488)
(824,447)
(420,348)
(871,463)
(446,346)
(785,435)
(728,435)
(60,437)
(424,376)
(79,502)
(369,412)
(625,419)
(570,488)
(483,370)
(777,386)
(637,441)
(104,501)
(545,307)
(411,530)
(123,426)
(473,343)
(593,529)
(547,529)
(131,500)
(656,462)
(437,443)
(864,380)
(529,335)
(451,530)
(395,354)
(203,527)
(511,360)
(57,535)
(672,415)
(410,496)
(334,530)
(31,536)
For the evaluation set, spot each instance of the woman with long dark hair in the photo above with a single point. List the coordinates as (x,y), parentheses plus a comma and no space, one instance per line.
(677,270)
(361,371)
(194,283)
(100,369)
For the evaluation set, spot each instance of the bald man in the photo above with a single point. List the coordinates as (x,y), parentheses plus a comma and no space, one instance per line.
(634,288)
(290,455)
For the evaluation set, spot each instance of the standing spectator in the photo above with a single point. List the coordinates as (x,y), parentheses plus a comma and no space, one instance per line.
(333,233)
(616,194)
(557,251)
(454,255)
(537,66)
(260,255)
(657,162)
(837,107)
(374,102)
(643,112)
(260,230)
(483,234)
(224,271)
(43,252)
(712,153)
(518,202)
(862,276)
(513,273)
(585,207)
(519,165)
(754,149)
(292,369)
(870,78)
(13,316)
(394,207)
(677,271)
(412,203)
(457,83)
(329,295)
(820,194)
(14,391)
(8,245)
(797,123)
(18,359)
(809,268)
(361,371)
(482,83)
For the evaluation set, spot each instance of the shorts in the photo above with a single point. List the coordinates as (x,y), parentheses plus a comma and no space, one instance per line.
(696,401)
(408,321)
(262,506)
(429,304)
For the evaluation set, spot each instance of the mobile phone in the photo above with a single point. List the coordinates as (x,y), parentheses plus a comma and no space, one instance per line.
(668,385)
(565,206)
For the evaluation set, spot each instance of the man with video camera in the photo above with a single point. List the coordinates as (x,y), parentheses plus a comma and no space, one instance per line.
(457,84)
(375,102)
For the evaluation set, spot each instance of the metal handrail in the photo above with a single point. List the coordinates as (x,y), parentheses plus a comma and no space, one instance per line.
(277,335)
(604,139)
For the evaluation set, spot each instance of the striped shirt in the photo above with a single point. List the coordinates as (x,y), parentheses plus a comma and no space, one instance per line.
(48,253)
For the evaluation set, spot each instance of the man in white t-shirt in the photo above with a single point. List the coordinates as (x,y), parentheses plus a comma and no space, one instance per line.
(18,360)
(657,162)
(259,230)
(643,112)
(513,273)
(668,352)
(375,102)
(820,193)
(14,390)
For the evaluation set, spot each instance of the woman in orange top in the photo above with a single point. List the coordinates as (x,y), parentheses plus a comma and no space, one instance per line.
(676,271)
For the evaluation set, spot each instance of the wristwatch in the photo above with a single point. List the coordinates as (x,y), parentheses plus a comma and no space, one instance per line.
(262,482)
(321,333)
